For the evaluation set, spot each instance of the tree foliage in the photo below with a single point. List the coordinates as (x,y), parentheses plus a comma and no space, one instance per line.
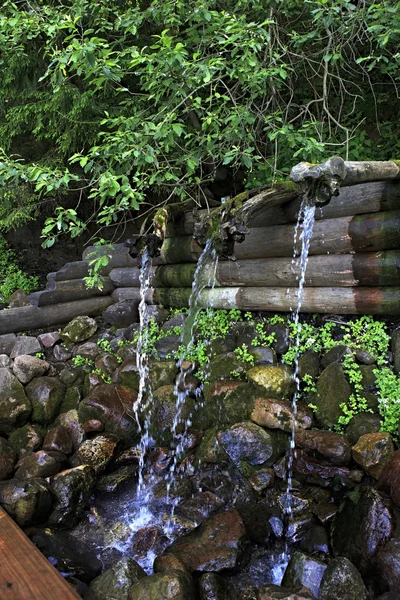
(124,105)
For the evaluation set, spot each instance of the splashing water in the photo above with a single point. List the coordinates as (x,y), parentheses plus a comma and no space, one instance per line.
(303,234)
(204,276)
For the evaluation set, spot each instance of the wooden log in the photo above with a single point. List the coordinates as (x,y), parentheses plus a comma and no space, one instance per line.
(334,270)
(369,170)
(353,200)
(121,294)
(25,573)
(29,318)
(362,300)
(125,277)
(69,291)
(180,249)
(72,270)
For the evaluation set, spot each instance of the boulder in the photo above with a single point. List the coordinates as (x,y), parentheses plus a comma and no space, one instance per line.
(164,586)
(113,406)
(61,353)
(342,581)
(7,459)
(213,546)
(122,314)
(96,452)
(5,361)
(25,344)
(79,329)
(162,372)
(277,592)
(28,502)
(15,407)
(49,339)
(309,364)
(26,439)
(316,471)
(107,363)
(27,367)
(262,479)
(71,489)
(58,439)
(315,540)
(45,394)
(331,446)
(127,374)
(275,381)
(263,355)
(278,414)
(40,464)
(167,345)
(361,424)
(389,564)
(225,402)
(373,451)
(363,524)
(333,389)
(212,587)
(201,506)
(114,583)
(7,342)
(304,570)
(18,299)
(281,332)
(335,355)
(88,350)
(70,420)
(390,477)
(112,482)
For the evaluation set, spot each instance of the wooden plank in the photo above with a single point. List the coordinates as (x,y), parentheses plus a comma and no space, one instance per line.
(25,573)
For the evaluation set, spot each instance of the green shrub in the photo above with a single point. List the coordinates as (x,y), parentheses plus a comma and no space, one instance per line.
(11,276)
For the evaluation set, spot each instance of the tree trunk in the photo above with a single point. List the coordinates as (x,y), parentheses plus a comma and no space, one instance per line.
(369,170)
(69,291)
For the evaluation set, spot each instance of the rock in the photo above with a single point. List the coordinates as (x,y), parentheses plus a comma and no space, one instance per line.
(210,449)
(40,464)
(263,355)
(162,373)
(25,344)
(363,357)
(88,350)
(114,481)
(79,329)
(304,570)
(48,340)
(362,525)
(61,354)
(7,342)
(107,364)
(114,583)
(28,502)
(72,489)
(262,479)
(281,332)
(396,349)
(164,586)
(70,420)
(333,390)
(15,407)
(27,367)
(92,426)
(148,540)
(26,439)
(176,321)
(389,596)
(278,414)
(222,345)
(325,511)
(113,406)
(223,366)
(159,314)
(315,471)
(67,554)
(18,299)
(166,346)
(213,546)
(331,446)
(335,355)
(45,395)
(72,376)
(165,411)
(225,402)
(309,364)
(373,451)
(7,459)
(361,424)
(58,438)
(200,506)
(390,477)
(389,564)
(211,587)
(96,452)
(122,314)
(274,381)
(248,444)
(342,581)
(5,361)
(127,374)
(315,540)
(277,592)
(168,562)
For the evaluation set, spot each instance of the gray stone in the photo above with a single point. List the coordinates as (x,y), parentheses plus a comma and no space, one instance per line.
(7,459)
(361,424)
(7,342)
(27,367)
(71,489)
(25,344)
(304,570)
(26,439)
(335,355)
(247,443)
(70,420)
(309,364)
(122,313)
(18,299)
(263,356)
(333,389)
(114,583)
(28,502)
(88,350)
(281,345)
(15,407)
(79,329)
(365,358)
(167,345)
(45,395)
(157,313)
(61,353)
(389,564)
(342,581)
(5,361)
(48,340)
(176,321)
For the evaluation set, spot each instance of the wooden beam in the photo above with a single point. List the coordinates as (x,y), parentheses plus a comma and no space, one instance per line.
(370,170)
(25,573)
(57,292)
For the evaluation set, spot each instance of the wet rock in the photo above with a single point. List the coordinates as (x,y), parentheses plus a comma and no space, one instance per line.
(67,554)
(223,365)
(390,477)
(335,355)
(158,313)
(79,329)
(333,390)
(361,424)
(168,562)
(277,592)
(27,367)
(315,540)
(315,471)
(211,587)
(217,481)
(165,410)
(342,581)
(389,596)
(277,382)
(200,506)
(25,344)
(58,438)
(5,361)
(96,452)
(45,395)
(210,449)
(309,364)
(149,540)
(389,564)
(176,321)
(281,332)
(362,525)
(72,376)
(40,464)
(71,489)
(113,406)
(263,355)
(396,349)
(213,546)
(49,339)
(225,401)
(325,511)
(304,570)
(373,451)
(28,502)
(122,314)
(162,373)
(93,426)
(222,345)
(70,420)
(127,374)
(114,481)
(363,357)
(7,342)
(331,446)
(26,439)
(61,353)
(88,350)
(114,583)
(15,407)
(107,364)
(262,479)
(278,414)
(168,345)
(163,586)
(248,444)
(7,459)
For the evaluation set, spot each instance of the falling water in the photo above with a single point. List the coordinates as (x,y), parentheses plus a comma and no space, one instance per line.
(204,276)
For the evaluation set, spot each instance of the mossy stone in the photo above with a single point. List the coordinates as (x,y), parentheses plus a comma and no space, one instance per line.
(46,395)
(114,583)
(333,389)
(15,407)
(79,329)
(28,437)
(276,381)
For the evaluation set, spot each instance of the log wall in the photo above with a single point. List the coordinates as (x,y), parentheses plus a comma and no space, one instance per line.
(353,267)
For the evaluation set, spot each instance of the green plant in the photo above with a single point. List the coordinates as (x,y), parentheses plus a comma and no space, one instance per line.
(82,361)
(105,345)
(39,355)
(244,355)
(262,338)
(388,384)
(12,278)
